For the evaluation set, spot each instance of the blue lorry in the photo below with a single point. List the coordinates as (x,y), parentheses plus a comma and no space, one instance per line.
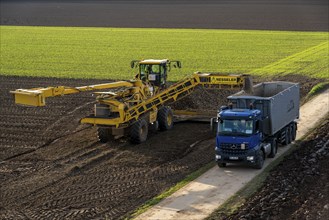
(250,128)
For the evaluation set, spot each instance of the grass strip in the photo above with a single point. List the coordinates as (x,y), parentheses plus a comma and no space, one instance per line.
(318,88)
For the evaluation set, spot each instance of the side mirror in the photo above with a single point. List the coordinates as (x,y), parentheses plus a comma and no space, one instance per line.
(175,64)
(213,124)
(133,63)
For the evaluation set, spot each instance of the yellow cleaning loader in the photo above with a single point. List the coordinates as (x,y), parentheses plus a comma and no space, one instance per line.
(137,104)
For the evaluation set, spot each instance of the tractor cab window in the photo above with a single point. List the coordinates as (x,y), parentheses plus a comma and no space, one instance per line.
(155,69)
(145,69)
(163,74)
(153,73)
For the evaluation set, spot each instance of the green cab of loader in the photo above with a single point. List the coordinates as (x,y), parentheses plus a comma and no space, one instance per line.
(154,71)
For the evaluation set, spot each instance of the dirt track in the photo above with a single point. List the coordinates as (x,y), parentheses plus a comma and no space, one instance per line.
(303,15)
(52,167)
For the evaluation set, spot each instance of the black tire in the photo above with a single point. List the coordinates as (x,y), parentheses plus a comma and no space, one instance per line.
(293,131)
(289,135)
(165,119)
(139,131)
(221,165)
(104,134)
(259,160)
(274,148)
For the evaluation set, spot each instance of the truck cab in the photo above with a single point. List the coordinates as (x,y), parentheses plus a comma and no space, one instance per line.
(238,136)
(256,121)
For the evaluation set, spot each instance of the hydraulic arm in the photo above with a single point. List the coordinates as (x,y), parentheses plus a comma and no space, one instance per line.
(37,96)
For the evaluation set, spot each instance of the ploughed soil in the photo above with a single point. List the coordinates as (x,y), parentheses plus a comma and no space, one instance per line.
(51,167)
(302,15)
(297,188)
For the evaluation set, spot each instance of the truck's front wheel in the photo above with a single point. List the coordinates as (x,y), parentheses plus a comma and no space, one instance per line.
(274,148)
(221,165)
(259,160)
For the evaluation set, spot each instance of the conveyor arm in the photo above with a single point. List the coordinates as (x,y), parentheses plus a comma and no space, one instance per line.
(184,88)
(37,96)
(170,95)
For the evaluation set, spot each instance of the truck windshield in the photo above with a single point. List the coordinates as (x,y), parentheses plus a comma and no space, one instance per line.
(234,127)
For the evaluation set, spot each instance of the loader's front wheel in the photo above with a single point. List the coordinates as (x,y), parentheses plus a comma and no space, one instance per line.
(139,131)
(165,118)
(104,134)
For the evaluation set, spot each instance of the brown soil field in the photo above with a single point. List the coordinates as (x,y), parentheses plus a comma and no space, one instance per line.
(53,168)
(302,15)
(297,188)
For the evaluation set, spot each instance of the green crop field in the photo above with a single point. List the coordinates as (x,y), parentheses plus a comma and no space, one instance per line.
(107,52)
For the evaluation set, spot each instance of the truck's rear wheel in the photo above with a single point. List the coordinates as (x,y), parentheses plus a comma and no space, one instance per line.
(259,160)
(293,128)
(165,118)
(274,148)
(104,134)
(221,165)
(287,136)
(139,131)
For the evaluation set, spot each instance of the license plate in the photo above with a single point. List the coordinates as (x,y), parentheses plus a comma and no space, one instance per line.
(234,158)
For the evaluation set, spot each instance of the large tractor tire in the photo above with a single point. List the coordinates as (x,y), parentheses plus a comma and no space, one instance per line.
(139,131)
(165,118)
(104,134)
(274,148)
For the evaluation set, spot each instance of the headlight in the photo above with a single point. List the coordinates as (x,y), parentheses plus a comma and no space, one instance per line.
(218,157)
